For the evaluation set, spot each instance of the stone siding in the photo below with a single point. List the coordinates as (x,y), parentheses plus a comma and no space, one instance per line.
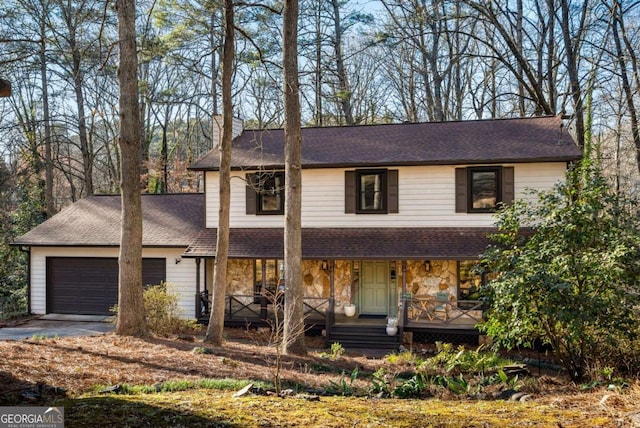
(441,277)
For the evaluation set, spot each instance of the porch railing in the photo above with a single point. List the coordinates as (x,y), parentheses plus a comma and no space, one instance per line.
(428,309)
(251,308)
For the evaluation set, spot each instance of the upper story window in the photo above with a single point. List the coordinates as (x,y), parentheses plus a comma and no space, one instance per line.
(371,191)
(265,193)
(481,189)
(484,189)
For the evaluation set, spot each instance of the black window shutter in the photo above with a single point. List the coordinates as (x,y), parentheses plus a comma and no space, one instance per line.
(252,195)
(461,190)
(392,191)
(349,192)
(508,185)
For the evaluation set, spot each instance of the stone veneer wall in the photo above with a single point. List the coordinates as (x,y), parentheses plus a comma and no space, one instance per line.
(441,277)
(316,280)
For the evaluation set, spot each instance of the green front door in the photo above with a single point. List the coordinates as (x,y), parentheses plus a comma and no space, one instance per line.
(374,288)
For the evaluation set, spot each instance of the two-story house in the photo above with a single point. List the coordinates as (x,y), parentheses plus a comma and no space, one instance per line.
(394,218)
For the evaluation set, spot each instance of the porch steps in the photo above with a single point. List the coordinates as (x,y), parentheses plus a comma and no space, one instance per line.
(363,336)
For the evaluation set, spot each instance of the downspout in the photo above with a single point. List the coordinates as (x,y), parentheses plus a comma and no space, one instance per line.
(28,251)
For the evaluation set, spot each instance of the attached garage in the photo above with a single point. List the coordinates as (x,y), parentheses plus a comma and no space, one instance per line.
(89,286)
(73,256)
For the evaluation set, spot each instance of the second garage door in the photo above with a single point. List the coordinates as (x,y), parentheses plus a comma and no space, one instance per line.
(89,286)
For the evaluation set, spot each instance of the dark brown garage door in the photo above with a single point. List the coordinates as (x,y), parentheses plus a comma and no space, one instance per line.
(89,286)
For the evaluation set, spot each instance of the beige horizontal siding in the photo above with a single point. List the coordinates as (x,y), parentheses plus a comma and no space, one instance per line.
(181,276)
(426,198)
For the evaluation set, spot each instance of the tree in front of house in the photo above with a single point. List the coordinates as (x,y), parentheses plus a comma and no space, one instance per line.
(131,320)
(293,334)
(567,272)
(215,329)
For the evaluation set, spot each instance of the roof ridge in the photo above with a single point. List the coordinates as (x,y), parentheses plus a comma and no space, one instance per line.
(441,122)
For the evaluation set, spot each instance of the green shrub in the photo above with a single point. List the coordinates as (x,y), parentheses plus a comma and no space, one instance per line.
(163,313)
(13,302)
(344,387)
(411,388)
(462,360)
(337,350)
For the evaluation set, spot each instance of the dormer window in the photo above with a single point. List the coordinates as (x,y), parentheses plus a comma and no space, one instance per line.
(265,193)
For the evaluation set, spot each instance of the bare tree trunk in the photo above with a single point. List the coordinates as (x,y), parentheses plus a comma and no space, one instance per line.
(629,91)
(344,94)
(78,87)
(216,319)
(571,55)
(293,336)
(131,318)
(318,68)
(214,68)
(551,56)
(48,158)
(519,46)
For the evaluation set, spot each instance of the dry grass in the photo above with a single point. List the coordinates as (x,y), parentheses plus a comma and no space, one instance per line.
(80,364)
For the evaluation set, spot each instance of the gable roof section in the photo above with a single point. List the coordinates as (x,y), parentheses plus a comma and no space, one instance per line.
(168,221)
(350,243)
(538,139)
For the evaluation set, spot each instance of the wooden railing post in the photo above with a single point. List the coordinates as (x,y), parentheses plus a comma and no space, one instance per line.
(330,316)
(402,316)
(198,306)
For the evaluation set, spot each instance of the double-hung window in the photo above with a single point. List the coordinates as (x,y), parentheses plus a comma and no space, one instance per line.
(371,191)
(265,193)
(484,189)
(481,189)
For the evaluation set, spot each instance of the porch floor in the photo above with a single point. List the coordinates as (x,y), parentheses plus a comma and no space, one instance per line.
(245,317)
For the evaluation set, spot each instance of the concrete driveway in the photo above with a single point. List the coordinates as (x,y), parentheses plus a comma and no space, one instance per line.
(57,326)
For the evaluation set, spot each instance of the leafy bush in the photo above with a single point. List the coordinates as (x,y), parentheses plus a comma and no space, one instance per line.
(411,388)
(337,350)
(567,271)
(462,360)
(344,387)
(163,313)
(406,357)
(13,302)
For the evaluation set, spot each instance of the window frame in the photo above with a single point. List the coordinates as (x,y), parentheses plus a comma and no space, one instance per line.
(464,198)
(497,170)
(384,191)
(256,191)
(265,285)
(476,283)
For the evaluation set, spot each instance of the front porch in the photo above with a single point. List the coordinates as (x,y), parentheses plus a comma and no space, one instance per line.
(425,320)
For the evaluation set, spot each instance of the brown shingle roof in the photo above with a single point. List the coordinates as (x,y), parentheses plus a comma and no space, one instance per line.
(350,243)
(538,139)
(168,221)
